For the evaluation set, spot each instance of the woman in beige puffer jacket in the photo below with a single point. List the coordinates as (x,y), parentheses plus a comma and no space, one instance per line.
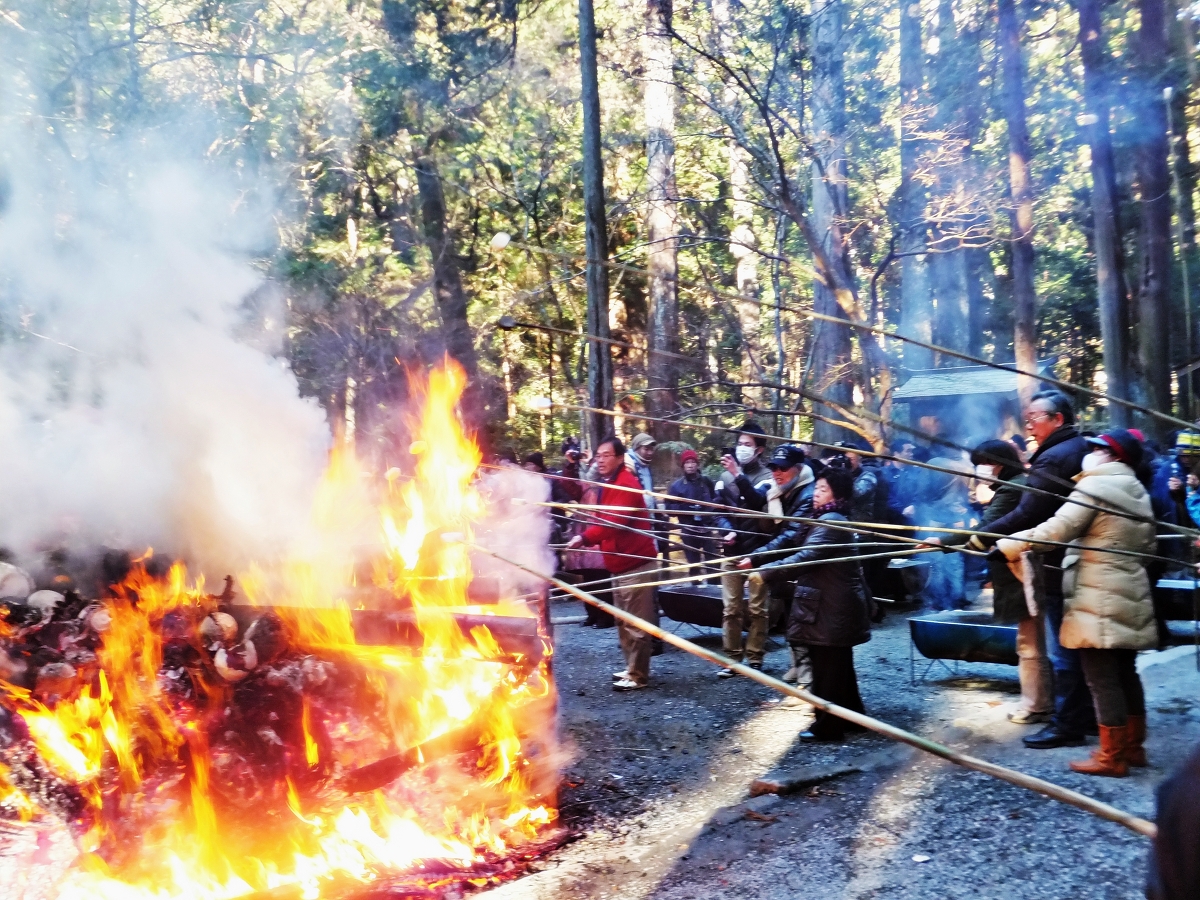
(1108,613)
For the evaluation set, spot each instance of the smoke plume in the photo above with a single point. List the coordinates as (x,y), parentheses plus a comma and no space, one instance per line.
(133,410)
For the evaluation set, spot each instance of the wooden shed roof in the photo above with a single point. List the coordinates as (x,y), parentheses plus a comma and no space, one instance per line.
(961,380)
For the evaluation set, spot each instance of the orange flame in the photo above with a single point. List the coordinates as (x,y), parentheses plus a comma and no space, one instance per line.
(458,705)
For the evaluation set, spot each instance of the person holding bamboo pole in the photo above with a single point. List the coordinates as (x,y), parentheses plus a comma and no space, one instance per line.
(1050,419)
(623,531)
(830,611)
(786,501)
(999,467)
(744,486)
(1108,615)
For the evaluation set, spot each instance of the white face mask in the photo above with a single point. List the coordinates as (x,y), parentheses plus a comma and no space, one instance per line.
(1091,461)
(985,471)
(743,453)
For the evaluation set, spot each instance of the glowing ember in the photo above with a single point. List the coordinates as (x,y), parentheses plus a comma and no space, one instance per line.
(202,749)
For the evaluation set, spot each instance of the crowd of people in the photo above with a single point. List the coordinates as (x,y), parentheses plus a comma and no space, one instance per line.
(1061,527)
(1069,529)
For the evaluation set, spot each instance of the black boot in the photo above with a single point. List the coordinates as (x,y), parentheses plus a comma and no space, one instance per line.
(1053,736)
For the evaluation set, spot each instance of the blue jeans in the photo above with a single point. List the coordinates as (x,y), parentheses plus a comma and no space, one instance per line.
(1073,710)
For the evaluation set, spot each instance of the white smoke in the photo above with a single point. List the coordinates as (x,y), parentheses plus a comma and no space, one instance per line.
(130,413)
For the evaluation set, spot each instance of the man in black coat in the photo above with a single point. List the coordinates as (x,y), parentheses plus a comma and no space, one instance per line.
(744,486)
(790,495)
(1050,418)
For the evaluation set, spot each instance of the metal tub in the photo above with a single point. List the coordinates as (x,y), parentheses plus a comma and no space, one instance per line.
(695,604)
(966,635)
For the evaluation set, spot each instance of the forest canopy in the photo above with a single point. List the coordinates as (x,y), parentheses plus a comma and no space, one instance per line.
(1010,181)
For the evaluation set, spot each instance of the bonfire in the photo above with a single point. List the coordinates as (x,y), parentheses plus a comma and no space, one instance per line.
(321,726)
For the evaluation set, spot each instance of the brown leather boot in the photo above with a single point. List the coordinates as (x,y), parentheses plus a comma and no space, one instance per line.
(1109,758)
(1135,739)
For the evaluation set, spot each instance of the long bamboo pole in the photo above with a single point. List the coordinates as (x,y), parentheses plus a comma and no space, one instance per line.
(1020,779)
(856,558)
(874,529)
(1023,488)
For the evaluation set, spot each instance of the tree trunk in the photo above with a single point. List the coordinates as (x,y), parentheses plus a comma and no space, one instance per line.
(662,223)
(948,261)
(948,275)
(742,240)
(742,243)
(979,272)
(831,362)
(135,64)
(1154,178)
(599,377)
(1110,280)
(1021,214)
(916,299)
(1185,340)
(81,78)
(449,294)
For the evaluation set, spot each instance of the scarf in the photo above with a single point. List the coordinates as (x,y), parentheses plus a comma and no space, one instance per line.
(837,506)
(776,493)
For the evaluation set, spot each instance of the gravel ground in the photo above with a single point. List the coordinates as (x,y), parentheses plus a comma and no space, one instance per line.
(660,783)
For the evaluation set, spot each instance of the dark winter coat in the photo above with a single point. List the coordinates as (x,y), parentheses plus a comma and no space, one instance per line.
(788,533)
(906,489)
(699,490)
(1057,461)
(865,506)
(1008,604)
(1175,855)
(1008,594)
(748,491)
(830,606)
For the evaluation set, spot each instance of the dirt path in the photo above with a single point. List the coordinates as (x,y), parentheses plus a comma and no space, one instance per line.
(661,778)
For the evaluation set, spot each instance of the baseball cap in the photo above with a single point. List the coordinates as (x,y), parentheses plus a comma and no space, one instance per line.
(1123,445)
(786,456)
(641,439)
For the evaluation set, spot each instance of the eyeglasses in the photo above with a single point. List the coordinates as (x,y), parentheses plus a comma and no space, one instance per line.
(1030,418)
(605,454)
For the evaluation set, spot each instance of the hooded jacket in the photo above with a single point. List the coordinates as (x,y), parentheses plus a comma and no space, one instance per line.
(1107,594)
(627,508)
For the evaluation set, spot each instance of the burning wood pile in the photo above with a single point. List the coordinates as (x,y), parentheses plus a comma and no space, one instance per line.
(282,736)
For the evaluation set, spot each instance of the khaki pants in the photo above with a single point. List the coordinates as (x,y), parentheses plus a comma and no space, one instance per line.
(738,614)
(1033,666)
(631,595)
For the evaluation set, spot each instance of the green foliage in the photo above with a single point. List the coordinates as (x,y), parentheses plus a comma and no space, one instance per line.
(326,106)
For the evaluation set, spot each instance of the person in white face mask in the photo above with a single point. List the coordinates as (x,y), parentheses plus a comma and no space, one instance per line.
(745,485)
(1108,614)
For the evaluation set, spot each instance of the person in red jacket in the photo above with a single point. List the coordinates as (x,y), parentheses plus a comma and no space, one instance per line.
(624,533)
